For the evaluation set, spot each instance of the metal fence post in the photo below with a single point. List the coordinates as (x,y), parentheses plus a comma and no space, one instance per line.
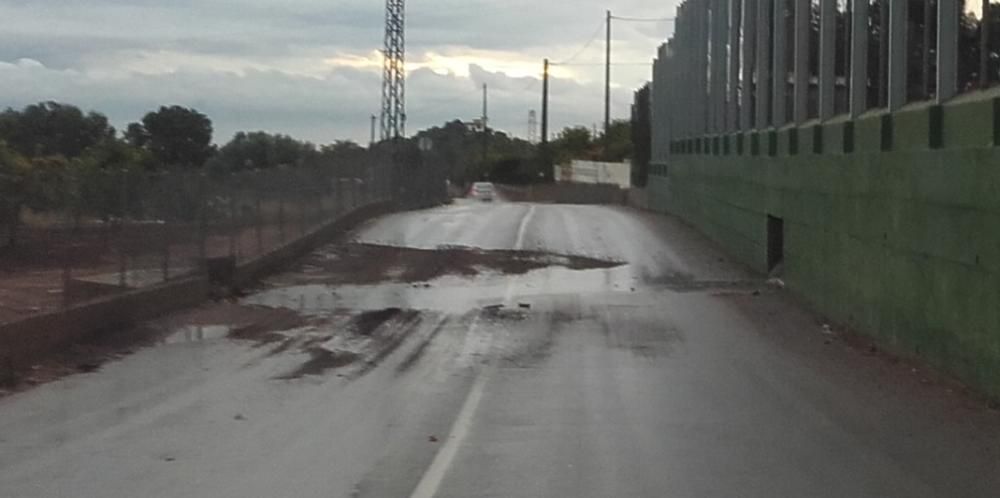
(258,217)
(859,58)
(122,244)
(764,87)
(749,89)
(898,26)
(202,218)
(231,207)
(735,53)
(827,59)
(803,16)
(780,68)
(281,217)
(165,230)
(947,50)
(74,207)
(301,202)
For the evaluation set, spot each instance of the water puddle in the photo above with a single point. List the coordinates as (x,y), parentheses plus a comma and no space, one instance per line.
(448,294)
(197,333)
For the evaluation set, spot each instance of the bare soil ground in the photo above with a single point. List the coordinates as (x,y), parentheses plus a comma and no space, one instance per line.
(31,274)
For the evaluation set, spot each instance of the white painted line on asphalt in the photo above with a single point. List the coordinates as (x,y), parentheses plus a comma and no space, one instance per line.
(435,474)
(519,242)
(431,481)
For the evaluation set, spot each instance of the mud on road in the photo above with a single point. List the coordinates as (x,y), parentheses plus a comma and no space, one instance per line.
(360,263)
(336,337)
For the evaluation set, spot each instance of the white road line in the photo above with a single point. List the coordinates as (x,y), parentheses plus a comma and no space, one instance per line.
(435,474)
(519,241)
(431,481)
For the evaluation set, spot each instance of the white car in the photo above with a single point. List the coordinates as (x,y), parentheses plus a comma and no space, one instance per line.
(483,191)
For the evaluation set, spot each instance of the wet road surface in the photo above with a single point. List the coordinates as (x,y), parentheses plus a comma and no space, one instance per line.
(648,366)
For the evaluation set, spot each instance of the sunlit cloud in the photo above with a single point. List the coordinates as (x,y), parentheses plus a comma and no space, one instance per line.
(313,69)
(456,62)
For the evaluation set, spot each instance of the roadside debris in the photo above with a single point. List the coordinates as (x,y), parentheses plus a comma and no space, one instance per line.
(776,282)
(432,439)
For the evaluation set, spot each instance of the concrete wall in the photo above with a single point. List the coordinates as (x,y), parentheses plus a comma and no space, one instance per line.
(592,172)
(893,228)
(565,193)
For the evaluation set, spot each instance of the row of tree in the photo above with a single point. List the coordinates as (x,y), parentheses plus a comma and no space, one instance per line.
(41,143)
(168,139)
(43,146)
(470,154)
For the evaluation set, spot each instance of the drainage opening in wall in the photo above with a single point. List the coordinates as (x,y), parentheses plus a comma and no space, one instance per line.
(775,243)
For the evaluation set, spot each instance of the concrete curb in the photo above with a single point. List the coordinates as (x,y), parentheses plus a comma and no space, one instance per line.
(25,341)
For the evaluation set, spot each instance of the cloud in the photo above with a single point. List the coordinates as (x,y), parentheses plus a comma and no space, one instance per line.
(310,68)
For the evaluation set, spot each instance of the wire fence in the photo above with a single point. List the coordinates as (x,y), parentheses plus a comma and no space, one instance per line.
(103,232)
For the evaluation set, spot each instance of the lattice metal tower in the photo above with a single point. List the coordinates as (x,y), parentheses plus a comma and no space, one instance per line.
(393,118)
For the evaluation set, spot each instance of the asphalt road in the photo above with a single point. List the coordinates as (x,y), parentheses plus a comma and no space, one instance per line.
(669,375)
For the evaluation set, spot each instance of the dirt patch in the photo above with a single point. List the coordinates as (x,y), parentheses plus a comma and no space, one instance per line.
(357,263)
(499,312)
(366,339)
(320,361)
(247,323)
(86,356)
(366,323)
(414,356)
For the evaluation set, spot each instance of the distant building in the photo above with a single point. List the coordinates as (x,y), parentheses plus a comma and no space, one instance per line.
(619,174)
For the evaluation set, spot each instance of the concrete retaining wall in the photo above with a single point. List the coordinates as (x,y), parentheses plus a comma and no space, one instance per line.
(890,224)
(25,341)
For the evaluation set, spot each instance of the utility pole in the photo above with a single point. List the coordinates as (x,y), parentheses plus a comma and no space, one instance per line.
(546,167)
(607,86)
(371,142)
(486,127)
(532,126)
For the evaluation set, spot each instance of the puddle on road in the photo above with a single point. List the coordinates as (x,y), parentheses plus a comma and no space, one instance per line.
(197,333)
(447,294)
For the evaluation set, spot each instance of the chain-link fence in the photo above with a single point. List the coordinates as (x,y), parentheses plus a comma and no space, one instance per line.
(104,232)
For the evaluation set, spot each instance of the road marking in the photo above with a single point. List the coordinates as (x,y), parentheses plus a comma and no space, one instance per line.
(519,241)
(431,481)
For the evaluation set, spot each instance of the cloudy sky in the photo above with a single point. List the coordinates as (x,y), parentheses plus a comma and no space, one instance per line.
(311,68)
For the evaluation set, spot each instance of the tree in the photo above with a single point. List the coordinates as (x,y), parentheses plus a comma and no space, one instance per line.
(176,136)
(346,157)
(51,128)
(261,150)
(619,147)
(572,143)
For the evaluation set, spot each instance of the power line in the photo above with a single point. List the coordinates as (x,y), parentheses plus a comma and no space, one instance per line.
(644,19)
(587,45)
(577,64)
